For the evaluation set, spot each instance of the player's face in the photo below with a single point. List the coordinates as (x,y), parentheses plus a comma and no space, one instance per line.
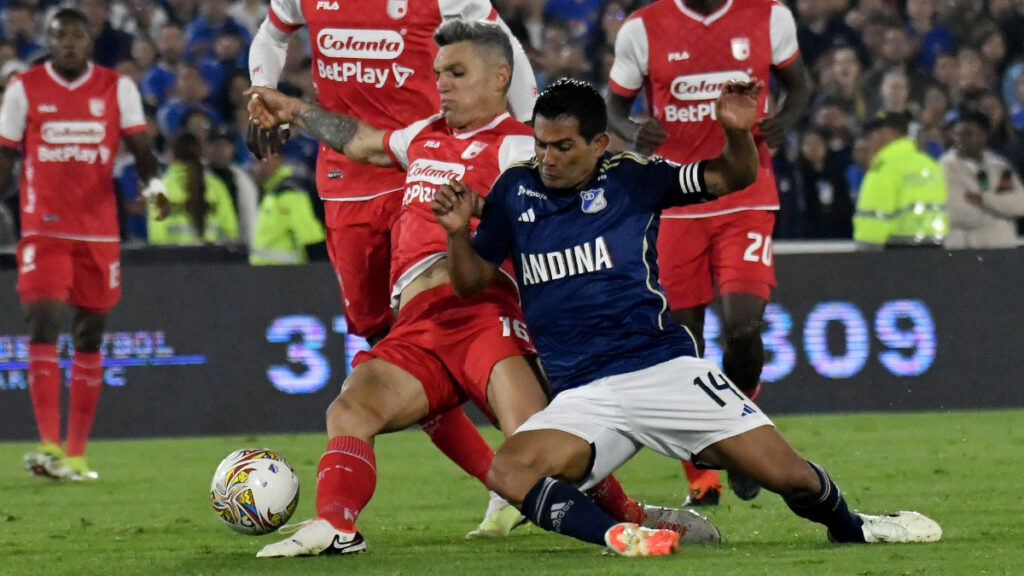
(567,160)
(471,89)
(970,139)
(70,46)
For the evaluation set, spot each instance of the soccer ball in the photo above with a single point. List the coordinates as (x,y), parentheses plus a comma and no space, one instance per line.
(254,491)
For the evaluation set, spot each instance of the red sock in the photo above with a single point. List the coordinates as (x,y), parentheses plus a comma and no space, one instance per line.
(86,385)
(700,480)
(609,497)
(458,438)
(345,481)
(44,388)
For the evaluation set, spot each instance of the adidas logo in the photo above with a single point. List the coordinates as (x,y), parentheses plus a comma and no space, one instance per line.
(558,512)
(746,410)
(528,216)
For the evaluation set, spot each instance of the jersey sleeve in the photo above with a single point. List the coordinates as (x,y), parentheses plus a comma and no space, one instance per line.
(782,31)
(515,149)
(493,237)
(466,9)
(286,15)
(397,142)
(267,54)
(631,59)
(13,114)
(129,102)
(661,184)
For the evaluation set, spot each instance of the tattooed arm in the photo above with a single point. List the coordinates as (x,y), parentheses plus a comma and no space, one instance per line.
(345,134)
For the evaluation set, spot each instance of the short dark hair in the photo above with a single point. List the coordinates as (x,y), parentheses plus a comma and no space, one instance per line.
(899,121)
(488,35)
(974,117)
(71,15)
(574,99)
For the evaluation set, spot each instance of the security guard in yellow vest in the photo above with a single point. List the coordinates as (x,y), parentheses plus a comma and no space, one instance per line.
(902,200)
(286,224)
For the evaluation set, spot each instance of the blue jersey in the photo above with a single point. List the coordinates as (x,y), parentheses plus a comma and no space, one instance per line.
(587,266)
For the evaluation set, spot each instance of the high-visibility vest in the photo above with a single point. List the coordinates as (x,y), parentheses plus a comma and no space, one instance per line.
(177,228)
(902,200)
(286,223)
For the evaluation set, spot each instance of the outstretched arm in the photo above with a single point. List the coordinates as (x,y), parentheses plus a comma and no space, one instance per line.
(736,167)
(453,206)
(345,134)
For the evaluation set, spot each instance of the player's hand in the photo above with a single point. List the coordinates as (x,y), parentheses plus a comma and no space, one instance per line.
(973,198)
(773,130)
(649,136)
(163,206)
(265,143)
(736,107)
(453,206)
(269,108)
(155,193)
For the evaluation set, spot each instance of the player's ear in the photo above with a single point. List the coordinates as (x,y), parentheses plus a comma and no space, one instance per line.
(600,143)
(503,75)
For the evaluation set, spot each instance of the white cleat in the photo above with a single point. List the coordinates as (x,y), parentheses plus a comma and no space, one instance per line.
(900,527)
(314,537)
(498,524)
(691,526)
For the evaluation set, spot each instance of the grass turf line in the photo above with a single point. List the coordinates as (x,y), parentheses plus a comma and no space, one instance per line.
(149,513)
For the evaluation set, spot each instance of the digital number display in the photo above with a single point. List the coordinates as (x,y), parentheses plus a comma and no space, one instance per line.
(307,370)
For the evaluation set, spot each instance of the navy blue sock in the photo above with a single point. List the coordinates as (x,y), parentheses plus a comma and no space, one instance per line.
(828,507)
(559,507)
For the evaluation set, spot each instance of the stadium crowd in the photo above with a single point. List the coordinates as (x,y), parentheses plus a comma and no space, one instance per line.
(933,60)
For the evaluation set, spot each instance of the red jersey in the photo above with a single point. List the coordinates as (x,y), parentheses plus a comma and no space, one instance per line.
(373,60)
(432,154)
(70,132)
(682,58)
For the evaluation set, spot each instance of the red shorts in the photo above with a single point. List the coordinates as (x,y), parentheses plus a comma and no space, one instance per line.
(732,251)
(359,244)
(84,274)
(451,344)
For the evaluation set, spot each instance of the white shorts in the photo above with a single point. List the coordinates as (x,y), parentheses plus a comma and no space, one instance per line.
(676,408)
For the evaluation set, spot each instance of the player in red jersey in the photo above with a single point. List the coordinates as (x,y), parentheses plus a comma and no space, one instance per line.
(69,116)
(372,60)
(681,52)
(442,350)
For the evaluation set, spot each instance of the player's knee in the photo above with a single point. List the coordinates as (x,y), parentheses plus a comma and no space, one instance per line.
(43,325)
(746,332)
(795,481)
(354,417)
(513,473)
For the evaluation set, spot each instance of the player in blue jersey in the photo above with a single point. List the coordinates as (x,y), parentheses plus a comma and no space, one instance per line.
(580,226)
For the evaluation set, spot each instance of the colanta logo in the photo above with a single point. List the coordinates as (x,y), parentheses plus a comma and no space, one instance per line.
(705,86)
(361,44)
(434,172)
(73,132)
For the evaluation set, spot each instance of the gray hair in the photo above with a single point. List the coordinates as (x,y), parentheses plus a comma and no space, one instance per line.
(483,34)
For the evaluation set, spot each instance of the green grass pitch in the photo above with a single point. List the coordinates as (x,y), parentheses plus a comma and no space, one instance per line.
(150,515)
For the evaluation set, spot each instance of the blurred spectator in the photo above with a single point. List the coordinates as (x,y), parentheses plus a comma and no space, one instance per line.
(287,228)
(820,28)
(1002,137)
(896,55)
(158,81)
(931,133)
(580,17)
(827,207)
(20,31)
(229,56)
(110,45)
(201,208)
(961,17)
(148,18)
(989,41)
(221,147)
(972,74)
(559,57)
(930,38)
(248,13)
(985,193)
(894,92)
(946,72)
(190,93)
(902,200)
(144,53)
(213,20)
(843,85)
(855,171)
(182,11)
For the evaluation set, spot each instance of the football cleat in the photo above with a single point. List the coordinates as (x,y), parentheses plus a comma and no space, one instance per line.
(743,486)
(314,537)
(900,527)
(691,526)
(498,523)
(78,470)
(627,539)
(702,497)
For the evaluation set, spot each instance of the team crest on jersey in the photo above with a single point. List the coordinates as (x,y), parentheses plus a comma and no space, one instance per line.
(397,8)
(593,201)
(473,150)
(97,107)
(741,48)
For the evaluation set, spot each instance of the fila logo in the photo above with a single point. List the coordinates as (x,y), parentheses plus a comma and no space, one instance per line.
(327,5)
(47,108)
(432,144)
(528,216)
(678,56)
